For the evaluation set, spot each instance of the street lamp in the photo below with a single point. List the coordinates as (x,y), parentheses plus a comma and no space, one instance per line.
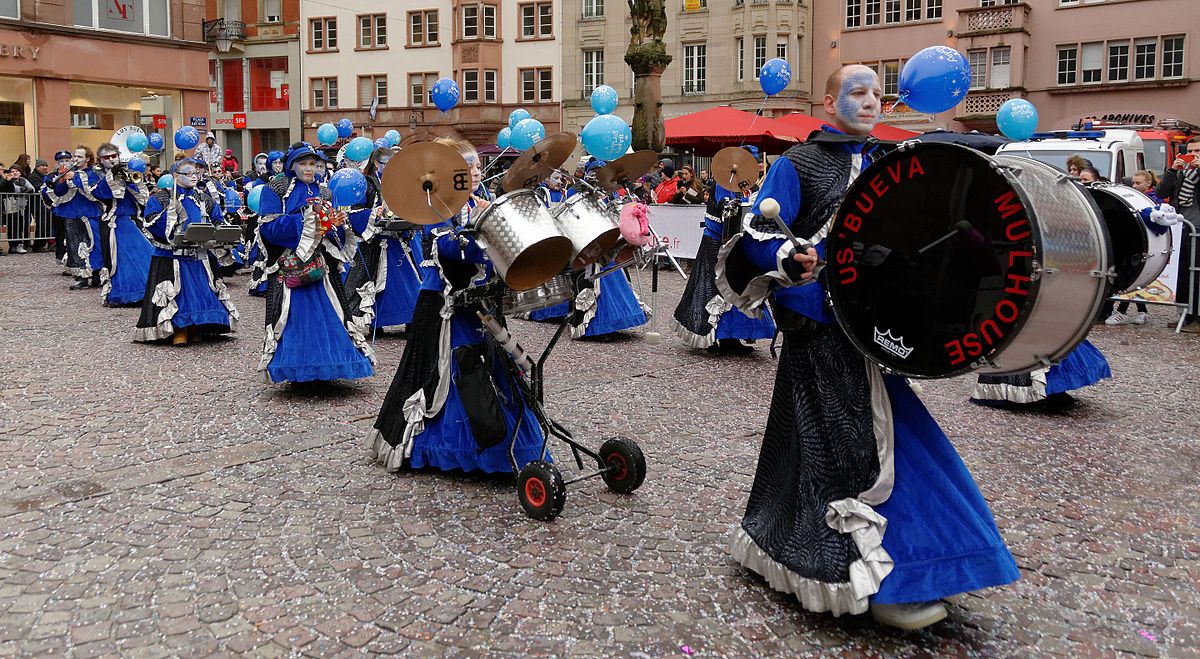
(412,121)
(218,32)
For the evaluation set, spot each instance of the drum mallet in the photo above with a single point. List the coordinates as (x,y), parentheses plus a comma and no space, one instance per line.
(770,209)
(653,337)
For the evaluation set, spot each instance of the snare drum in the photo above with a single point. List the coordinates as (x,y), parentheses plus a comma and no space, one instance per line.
(1139,255)
(557,290)
(591,228)
(522,240)
(943,260)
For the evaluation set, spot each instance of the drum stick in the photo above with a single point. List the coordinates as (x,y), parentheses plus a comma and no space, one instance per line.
(961,225)
(770,209)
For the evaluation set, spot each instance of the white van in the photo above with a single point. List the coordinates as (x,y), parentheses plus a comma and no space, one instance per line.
(1117,154)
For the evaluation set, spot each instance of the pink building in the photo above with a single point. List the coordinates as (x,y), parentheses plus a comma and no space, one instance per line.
(1070,58)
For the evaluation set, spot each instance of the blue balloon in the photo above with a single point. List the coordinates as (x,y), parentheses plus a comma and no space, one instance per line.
(359,149)
(504,138)
(166,182)
(137,143)
(348,186)
(137,165)
(232,200)
(607,137)
(186,138)
(382,143)
(527,133)
(935,80)
(517,116)
(604,99)
(774,76)
(393,137)
(444,94)
(345,128)
(1017,119)
(156,141)
(327,134)
(254,198)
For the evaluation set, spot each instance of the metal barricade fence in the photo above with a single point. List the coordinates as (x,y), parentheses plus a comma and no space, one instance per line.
(25,217)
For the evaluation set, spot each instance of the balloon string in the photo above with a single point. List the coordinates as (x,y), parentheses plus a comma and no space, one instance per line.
(752,121)
(494,161)
(899,101)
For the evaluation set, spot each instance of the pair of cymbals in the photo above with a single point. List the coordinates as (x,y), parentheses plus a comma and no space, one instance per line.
(734,167)
(628,167)
(539,161)
(426,183)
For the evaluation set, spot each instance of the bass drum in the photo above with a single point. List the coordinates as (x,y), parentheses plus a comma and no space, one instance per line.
(943,261)
(1139,255)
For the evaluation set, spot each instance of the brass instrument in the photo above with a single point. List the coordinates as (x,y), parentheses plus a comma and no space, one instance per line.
(64,174)
(128,175)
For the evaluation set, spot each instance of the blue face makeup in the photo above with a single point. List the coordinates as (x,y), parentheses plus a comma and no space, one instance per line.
(847,108)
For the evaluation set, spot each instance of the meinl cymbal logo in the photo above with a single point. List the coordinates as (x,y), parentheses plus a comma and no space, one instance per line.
(892,344)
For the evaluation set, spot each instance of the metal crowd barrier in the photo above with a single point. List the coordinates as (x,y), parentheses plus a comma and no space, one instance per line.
(24,217)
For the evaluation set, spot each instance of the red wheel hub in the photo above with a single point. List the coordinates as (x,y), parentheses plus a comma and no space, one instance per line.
(620,468)
(535,492)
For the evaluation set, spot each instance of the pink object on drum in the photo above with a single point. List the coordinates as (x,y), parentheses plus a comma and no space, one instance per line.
(635,224)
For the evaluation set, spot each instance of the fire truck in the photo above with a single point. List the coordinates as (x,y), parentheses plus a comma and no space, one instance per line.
(1162,140)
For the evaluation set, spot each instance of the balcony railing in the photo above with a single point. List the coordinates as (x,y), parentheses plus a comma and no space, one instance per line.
(1005,18)
(224,29)
(694,89)
(987,101)
(591,15)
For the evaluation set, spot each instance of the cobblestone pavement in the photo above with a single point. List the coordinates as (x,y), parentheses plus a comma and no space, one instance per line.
(163,501)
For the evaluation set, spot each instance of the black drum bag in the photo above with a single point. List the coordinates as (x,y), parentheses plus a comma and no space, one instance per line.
(480,399)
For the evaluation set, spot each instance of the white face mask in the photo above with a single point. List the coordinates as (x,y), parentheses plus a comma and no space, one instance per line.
(306,169)
(109,162)
(859,101)
(187,179)
(277,166)
(79,159)
(260,166)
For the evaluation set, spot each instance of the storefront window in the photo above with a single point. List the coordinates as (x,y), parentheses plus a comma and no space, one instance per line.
(99,110)
(8,9)
(268,83)
(16,112)
(232,86)
(151,17)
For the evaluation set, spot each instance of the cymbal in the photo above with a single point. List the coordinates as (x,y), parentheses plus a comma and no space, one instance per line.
(733,166)
(426,183)
(628,166)
(539,161)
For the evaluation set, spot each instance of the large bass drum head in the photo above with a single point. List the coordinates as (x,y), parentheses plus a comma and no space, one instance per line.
(1130,238)
(931,259)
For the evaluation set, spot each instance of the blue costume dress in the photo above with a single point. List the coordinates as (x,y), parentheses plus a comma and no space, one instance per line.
(86,181)
(703,316)
(384,279)
(182,289)
(450,376)
(69,205)
(257,254)
(1082,367)
(859,496)
(126,251)
(309,336)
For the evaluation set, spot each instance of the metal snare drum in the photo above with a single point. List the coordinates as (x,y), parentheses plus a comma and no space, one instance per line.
(557,290)
(1139,255)
(522,240)
(592,229)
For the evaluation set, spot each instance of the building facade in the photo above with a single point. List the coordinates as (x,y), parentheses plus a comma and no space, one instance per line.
(1070,58)
(374,63)
(717,46)
(74,72)
(253,68)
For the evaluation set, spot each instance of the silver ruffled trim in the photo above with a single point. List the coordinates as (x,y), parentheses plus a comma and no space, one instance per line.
(1013,393)
(217,286)
(716,307)
(163,297)
(751,300)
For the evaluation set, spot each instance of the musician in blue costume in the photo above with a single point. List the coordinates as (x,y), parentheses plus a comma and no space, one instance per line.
(184,299)
(309,334)
(126,251)
(229,258)
(384,279)
(451,404)
(59,191)
(272,168)
(859,500)
(703,318)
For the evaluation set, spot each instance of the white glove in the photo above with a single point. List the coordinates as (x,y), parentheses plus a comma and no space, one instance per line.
(1165,215)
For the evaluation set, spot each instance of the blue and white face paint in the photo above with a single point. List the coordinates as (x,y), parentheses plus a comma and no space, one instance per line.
(859,101)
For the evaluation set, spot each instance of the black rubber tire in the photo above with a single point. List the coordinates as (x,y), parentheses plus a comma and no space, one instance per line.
(541,490)
(630,464)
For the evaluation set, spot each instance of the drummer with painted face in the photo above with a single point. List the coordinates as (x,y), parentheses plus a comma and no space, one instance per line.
(859,501)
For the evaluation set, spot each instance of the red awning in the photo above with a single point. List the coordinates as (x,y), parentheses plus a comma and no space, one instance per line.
(709,130)
(805,125)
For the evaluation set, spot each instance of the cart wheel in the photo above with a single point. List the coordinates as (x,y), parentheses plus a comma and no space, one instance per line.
(628,465)
(541,491)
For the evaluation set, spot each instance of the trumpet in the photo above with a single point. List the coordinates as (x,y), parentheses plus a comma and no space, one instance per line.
(130,175)
(64,173)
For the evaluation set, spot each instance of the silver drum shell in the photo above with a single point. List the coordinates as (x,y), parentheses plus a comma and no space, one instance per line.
(522,240)
(592,229)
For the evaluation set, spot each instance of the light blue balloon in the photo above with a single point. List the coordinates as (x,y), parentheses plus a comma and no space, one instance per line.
(604,99)
(137,143)
(935,80)
(254,198)
(517,116)
(774,76)
(186,138)
(381,143)
(445,94)
(607,137)
(1017,119)
(156,141)
(327,134)
(504,138)
(166,182)
(527,133)
(359,149)
(345,128)
(348,186)
(393,137)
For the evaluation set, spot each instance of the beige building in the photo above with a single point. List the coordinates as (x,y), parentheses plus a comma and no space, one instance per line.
(718,47)
(1070,58)
(362,54)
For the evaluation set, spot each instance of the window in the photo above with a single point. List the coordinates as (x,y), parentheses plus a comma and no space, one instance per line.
(489,85)
(324,93)
(871,12)
(695,66)
(233,86)
(370,87)
(423,28)
(372,31)
(536,85)
(1091,60)
(12,113)
(593,8)
(322,34)
(781,48)
(470,86)
(912,10)
(1066,65)
(978,61)
(593,70)
(853,13)
(1144,51)
(760,55)
(489,21)
(546,85)
(891,11)
(1172,53)
(418,86)
(740,45)
(268,83)
(1118,61)
(470,21)
(150,17)
(891,78)
(1001,67)
(537,20)
(933,9)
(271,11)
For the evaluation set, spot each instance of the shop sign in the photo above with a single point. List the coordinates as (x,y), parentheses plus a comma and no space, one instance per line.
(198,122)
(160,121)
(239,120)
(1128,119)
(19,52)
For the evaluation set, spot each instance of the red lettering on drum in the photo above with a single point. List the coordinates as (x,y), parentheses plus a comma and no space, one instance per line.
(1016,282)
(878,187)
(849,275)
(859,202)
(853,222)
(983,331)
(914,168)
(1007,305)
(955,350)
(895,172)
(1018,253)
(1005,205)
(970,341)
(845,255)
(1008,231)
